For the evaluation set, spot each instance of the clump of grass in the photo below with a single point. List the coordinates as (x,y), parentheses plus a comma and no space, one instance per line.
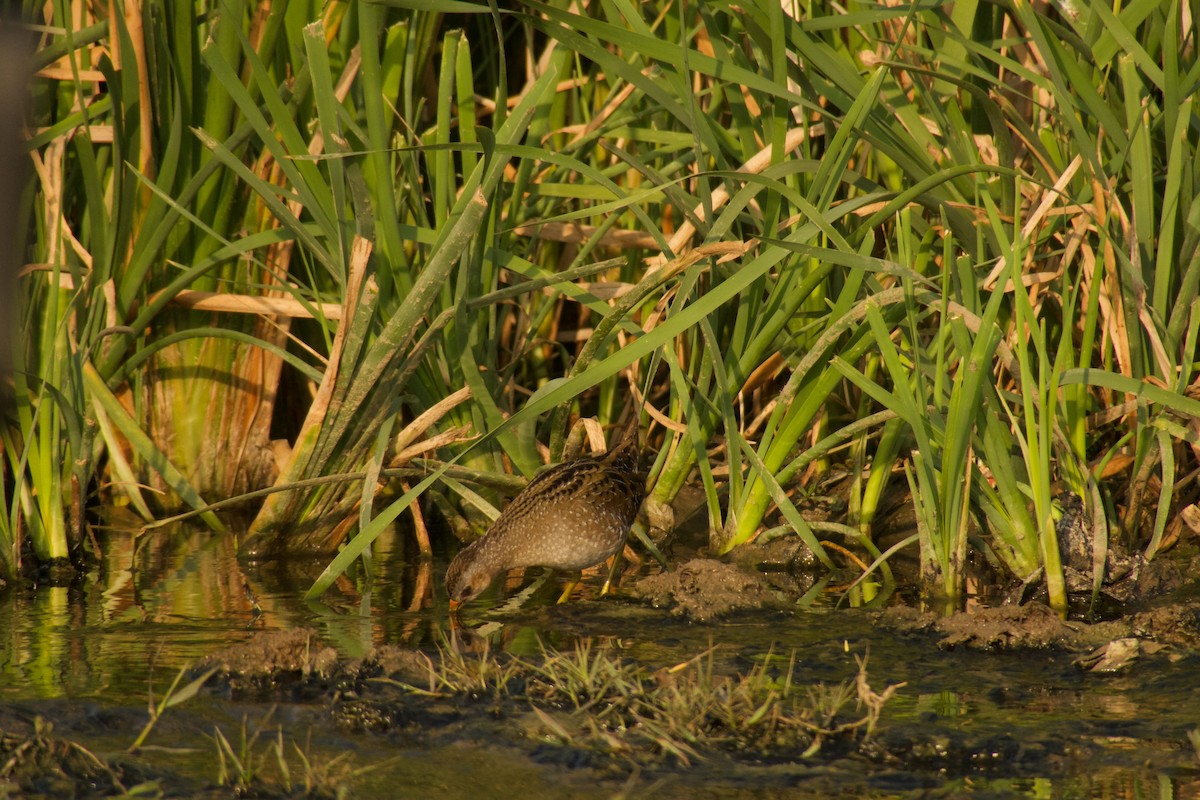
(591,697)
(262,769)
(456,672)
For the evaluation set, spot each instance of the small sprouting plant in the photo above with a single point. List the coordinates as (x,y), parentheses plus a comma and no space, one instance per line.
(173,697)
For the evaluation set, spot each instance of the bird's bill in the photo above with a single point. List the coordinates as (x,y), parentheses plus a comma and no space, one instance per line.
(455,605)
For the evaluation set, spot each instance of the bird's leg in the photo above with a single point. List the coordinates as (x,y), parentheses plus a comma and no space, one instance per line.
(569,588)
(612,573)
(626,553)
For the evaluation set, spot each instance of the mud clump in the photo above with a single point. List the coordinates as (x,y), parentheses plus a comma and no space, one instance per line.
(399,663)
(1036,626)
(1177,625)
(296,650)
(273,659)
(1033,626)
(704,588)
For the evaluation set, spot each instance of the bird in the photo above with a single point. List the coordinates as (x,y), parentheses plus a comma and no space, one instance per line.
(569,517)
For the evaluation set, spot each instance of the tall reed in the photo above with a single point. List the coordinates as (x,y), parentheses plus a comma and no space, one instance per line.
(961,243)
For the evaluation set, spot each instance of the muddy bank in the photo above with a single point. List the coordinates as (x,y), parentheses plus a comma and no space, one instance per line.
(705,590)
(593,698)
(857,732)
(1035,626)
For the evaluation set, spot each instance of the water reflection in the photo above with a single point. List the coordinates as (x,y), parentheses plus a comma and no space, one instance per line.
(162,600)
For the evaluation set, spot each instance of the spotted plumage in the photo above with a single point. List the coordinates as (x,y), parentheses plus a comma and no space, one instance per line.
(570,517)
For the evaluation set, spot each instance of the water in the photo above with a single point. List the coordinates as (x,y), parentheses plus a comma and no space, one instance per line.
(90,657)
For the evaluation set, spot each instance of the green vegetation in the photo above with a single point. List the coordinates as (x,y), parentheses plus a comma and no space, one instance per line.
(591,697)
(962,240)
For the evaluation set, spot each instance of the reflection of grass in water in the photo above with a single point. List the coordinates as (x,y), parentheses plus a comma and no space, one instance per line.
(591,697)
(43,764)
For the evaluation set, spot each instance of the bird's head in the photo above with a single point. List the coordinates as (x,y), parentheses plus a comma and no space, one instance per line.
(469,574)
